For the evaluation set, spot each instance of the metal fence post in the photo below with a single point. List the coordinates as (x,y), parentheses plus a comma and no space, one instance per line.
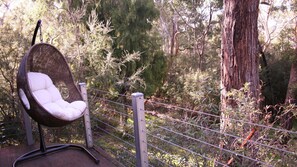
(140,130)
(28,127)
(87,121)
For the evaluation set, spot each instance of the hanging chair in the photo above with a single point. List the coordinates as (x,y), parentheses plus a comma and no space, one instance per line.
(41,69)
(48,93)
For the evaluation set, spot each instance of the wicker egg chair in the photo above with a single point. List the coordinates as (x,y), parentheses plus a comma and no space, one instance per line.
(47,60)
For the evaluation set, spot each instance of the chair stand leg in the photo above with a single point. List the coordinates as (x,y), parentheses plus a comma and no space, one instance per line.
(43,150)
(51,149)
(85,150)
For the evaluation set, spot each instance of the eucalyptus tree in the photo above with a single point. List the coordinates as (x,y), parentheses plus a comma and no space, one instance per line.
(132,23)
(190,28)
(190,31)
(278,42)
(239,66)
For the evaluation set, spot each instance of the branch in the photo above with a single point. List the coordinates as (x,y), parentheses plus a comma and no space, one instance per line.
(243,144)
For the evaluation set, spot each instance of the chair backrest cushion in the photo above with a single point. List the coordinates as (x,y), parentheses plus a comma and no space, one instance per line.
(47,95)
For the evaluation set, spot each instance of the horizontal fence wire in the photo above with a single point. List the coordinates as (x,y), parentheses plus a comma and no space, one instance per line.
(9,122)
(120,139)
(118,162)
(113,126)
(125,160)
(267,127)
(114,102)
(107,117)
(128,162)
(163,151)
(127,151)
(114,110)
(123,141)
(107,92)
(8,128)
(217,116)
(10,135)
(186,149)
(11,138)
(212,145)
(234,136)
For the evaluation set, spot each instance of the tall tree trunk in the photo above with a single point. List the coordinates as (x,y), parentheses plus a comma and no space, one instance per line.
(239,59)
(292,85)
(174,44)
(291,97)
(286,120)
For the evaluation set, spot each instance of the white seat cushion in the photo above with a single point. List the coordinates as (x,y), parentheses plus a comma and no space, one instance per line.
(46,93)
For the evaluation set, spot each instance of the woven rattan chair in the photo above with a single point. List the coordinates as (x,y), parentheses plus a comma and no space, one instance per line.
(47,66)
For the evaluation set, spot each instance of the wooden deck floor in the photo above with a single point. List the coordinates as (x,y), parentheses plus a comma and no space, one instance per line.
(65,158)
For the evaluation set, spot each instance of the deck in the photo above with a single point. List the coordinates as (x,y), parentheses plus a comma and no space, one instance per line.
(65,158)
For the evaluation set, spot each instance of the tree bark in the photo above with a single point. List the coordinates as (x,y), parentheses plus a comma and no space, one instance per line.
(292,85)
(240,57)
(291,96)
(239,60)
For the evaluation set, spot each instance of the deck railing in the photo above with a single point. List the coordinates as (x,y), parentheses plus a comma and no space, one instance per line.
(139,132)
(11,132)
(188,140)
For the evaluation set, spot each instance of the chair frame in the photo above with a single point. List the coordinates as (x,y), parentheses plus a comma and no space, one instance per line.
(44,150)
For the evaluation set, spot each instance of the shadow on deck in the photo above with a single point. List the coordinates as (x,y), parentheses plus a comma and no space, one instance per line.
(64,158)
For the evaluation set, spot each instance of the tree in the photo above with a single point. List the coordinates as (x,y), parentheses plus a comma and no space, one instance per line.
(189,28)
(277,22)
(239,60)
(132,23)
(13,43)
(190,31)
(291,96)
(276,33)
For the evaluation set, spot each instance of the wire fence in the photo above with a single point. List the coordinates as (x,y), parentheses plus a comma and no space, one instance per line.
(177,136)
(11,133)
(185,141)
(112,122)
(276,152)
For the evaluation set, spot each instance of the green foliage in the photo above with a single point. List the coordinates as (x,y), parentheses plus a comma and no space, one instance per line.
(11,132)
(13,41)
(16,25)
(202,90)
(237,120)
(275,76)
(132,23)
(192,74)
(86,46)
(241,106)
(193,89)
(177,156)
(115,46)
